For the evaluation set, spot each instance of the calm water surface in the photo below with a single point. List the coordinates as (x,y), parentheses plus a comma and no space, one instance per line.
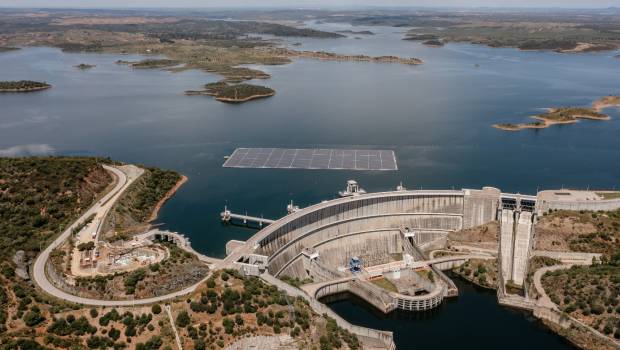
(473,321)
(436,117)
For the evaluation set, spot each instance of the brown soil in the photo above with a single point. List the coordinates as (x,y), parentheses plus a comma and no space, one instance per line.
(68,21)
(553,232)
(486,234)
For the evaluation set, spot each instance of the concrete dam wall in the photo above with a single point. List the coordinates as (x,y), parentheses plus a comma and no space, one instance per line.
(334,224)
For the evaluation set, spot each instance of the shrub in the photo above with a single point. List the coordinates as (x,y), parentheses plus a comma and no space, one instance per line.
(183,319)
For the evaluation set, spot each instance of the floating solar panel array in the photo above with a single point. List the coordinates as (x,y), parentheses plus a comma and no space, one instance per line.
(336,159)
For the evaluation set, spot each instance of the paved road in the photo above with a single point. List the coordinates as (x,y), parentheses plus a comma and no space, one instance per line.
(543,299)
(102,206)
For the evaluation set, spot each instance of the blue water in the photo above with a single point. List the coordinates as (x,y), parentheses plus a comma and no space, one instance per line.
(437,117)
(474,321)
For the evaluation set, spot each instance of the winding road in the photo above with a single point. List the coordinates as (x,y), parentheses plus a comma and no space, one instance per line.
(126,175)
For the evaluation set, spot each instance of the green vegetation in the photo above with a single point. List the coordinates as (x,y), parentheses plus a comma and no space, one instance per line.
(433,42)
(526,31)
(591,293)
(604,239)
(39,197)
(569,114)
(481,272)
(296,282)
(23,86)
(137,204)
(155,63)
(234,93)
(179,270)
(84,66)
(335,335)
(8,49)
(132,279)
(385,284)
(564,115)
(86,246)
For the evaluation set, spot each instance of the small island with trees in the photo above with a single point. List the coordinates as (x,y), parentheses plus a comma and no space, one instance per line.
(85,66)
(23,86)
(8,49)
(433,43)
(233,93)
(565,115)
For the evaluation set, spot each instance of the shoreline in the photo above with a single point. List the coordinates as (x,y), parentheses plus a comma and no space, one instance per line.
(564,116)
(546,123)
(33,89)
(329,56)
(245,99)
(606,102)
(165,198)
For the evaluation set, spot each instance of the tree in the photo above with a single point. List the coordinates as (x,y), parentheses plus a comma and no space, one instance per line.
(156,309)
(33,318)
(183,319)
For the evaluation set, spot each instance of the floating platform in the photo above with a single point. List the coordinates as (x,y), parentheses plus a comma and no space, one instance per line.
(318,158)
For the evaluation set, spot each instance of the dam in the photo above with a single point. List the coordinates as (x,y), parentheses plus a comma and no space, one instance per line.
(383,247)
(386,234)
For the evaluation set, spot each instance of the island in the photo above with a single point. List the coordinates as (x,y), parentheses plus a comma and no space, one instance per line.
(606,102)
(361,32)
(153,63)
(233,93)
(433,43)
(84,66)
(8,49)
(23,86)
(565,115)
(330,56)
(420,37)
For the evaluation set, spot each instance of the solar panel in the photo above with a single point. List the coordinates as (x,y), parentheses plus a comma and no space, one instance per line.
(336,159)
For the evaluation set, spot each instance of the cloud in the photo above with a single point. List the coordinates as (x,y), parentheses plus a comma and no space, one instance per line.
(27,150)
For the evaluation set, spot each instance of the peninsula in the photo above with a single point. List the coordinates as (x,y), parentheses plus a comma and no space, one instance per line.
(233,93)
(223,307)
(23,86)
(565,115)
(329,56)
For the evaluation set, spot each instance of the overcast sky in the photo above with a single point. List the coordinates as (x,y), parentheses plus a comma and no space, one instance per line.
(308,3)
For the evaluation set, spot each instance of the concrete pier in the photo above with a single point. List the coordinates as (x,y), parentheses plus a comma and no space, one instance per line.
(228,216)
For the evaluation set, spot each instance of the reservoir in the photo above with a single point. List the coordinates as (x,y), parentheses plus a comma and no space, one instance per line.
(436,117)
